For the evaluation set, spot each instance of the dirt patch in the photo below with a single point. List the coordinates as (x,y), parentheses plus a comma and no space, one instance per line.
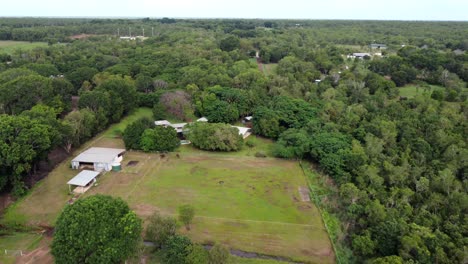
(304,207)
(5,200)
(75,100)
(132,163)
(304,193)
(145,210)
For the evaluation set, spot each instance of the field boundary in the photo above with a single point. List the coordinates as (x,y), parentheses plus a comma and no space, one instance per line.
(315,199)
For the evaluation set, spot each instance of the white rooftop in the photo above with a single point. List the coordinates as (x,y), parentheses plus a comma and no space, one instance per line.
(242,130)
(202,119)
(104,155)
(248,118)
(162,123)
(361,54)
(83,178)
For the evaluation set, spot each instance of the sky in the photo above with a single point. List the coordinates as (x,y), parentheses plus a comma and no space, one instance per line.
(284,9)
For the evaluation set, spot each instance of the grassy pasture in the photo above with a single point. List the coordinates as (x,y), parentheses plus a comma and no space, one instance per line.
(411,91)
(8,46)
(17,241)
(251,204)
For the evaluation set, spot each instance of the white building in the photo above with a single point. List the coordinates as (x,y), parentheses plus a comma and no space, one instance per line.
(99,158)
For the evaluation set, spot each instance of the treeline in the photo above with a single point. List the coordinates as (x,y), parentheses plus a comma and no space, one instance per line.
(439,35)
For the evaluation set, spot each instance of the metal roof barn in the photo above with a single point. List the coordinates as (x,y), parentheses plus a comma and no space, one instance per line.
(101,158)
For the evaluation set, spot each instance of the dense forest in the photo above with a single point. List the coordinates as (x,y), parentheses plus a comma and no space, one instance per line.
(399,164)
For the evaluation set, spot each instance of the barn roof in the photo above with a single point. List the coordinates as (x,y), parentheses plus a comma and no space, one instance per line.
(104,155)
(83,178)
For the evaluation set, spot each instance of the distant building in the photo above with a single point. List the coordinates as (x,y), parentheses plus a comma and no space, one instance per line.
(202,119)
(359,55)
(162,123)
(378,46)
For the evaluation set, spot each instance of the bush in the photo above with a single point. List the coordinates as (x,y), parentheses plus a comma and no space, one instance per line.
(251,143)
(260,154)
(177,249)
(186,214)
(197,255)
(219,254)
(160,229)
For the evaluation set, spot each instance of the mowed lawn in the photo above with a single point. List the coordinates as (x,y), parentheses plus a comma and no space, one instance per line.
(411,91)
(251,204)
(9,46)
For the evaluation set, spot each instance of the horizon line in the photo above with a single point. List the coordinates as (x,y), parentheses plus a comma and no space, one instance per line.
(239,18)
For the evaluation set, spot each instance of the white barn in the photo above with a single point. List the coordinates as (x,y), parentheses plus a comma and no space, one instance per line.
(100,158)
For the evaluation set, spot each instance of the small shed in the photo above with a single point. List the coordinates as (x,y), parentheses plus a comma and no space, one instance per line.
(83,181)
(98,158)
(202,119)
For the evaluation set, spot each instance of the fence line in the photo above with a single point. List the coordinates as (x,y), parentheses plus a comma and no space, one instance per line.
(316,199)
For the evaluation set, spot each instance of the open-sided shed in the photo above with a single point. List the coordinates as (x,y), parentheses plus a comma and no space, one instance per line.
(83,181)
(99,158)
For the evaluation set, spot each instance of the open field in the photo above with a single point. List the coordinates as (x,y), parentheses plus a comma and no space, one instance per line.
(251,204)
(17,241)
(411,91)
(10,46)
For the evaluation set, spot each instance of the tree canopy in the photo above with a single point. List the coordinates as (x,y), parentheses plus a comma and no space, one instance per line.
(96,229)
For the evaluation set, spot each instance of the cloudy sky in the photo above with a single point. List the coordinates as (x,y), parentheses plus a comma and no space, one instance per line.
(309,9)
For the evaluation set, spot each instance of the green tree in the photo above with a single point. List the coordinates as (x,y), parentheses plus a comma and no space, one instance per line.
(197,255)
(24,92)
(230,43)
(23,142)
(160,229)
(133,132)
(96,229)
(177,249)
(219,254)
(212,136)
(144,83)
(159,138)
(221,112)
(186,214)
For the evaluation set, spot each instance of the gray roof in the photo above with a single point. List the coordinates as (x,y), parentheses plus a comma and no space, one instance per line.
(361,54)
(105,155)
(83,178)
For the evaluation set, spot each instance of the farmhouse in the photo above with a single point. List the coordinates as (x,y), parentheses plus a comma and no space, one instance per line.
(99,158)
(83,181)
